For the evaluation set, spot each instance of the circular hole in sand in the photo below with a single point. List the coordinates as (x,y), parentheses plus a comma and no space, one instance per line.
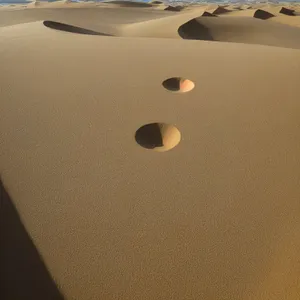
(160,137)
(178,84)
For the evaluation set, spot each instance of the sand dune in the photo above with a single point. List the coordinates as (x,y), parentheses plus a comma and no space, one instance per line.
(241,30)
(166,27)
(238,6)
(279,10)
(148,154)
(256,13)
(226,29)
(217,9)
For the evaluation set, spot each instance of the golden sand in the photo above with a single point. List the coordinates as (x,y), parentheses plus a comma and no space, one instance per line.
(149,152)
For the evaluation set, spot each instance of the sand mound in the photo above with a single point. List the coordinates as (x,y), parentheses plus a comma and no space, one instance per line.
(241,30)
(245,6)
(162,27)
(262,14)
(207,14)
(110,21)
(256,13)
(158,5)
(237,6)
(287,11)
(279,10)
(217,9)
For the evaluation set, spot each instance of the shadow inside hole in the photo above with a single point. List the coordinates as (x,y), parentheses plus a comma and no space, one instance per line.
(172,84)
(23,274)
(71,28)
(149,136)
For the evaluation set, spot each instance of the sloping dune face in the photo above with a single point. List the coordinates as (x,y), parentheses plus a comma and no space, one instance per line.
(149,154)
(241,30)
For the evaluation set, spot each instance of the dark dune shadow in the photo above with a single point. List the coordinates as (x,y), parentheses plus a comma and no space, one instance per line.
(262,14)
(193,30)
(287,11)
(129,3)
(71,28)
(23,275)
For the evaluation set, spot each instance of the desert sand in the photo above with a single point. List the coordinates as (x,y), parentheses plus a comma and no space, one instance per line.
(149,152)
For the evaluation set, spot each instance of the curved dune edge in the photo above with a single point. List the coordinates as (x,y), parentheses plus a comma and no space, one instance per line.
(42,4)
(158,5)
(256,13)
(195,27)
(175,8)
(277,10)
(217,9)
(240,30)
(164,27)
(71,29)
(109,21)
(225,28)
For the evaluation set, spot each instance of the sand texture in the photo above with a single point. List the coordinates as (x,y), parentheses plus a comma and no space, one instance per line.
(149,153)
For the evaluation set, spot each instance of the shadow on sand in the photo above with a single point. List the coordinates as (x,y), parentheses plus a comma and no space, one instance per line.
(23,274)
